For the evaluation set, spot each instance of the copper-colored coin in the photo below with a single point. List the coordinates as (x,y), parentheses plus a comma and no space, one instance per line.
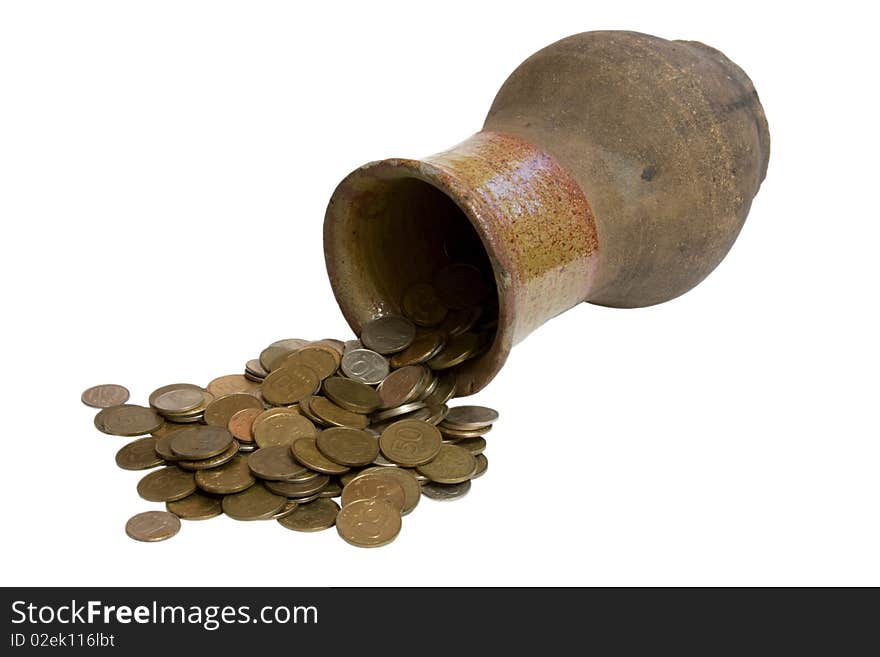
(211,462)
(321,359)
(368,523)
(232,477)
(460,285)
(221,410)
(312,517)
(335,415)
(128,420)
(201,442)
(290,384)
(305,450)
(255,503)
(410,442)
(388,335)
(284,429)
(139,455)
(351,395)
(255,369)
(407,480)
(423,348)
(105,396)
(152,526)
(375,486)
(346,446)
(403,386)
(197,506)
(166,485)
(452,465)
(275,463)
(231,384)
(299,489)
(422,305)
(241,424)
(456,351)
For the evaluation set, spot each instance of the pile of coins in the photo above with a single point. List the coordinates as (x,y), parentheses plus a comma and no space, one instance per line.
(366,421)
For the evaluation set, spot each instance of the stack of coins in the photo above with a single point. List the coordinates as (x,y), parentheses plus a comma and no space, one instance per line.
(365,421)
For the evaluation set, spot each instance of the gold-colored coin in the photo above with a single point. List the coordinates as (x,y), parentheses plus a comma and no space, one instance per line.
(410,442)
(105,396)
(220,411)
(351,395)
(272,357)
(197,506)
(375,486)
(166,485)
(290,384)
(305,407)
(232,477)
(475,446)
(312,517)
(407,480)
(335,415)
(452,465)
(456,351)
(272,412)
(423,348)
(152,526)
(351,474)
(294,489)
(321,359)
(168,428)
(211,462)
(333,489)
(139,455)
(422,305)
(163,447)
(346,446)
(459,321)
(482,466)
(284,429)
(201,442)
(274,463)
(444,391)
(455,434)
(403,386)
(388,334)
(128,420)
(305,450)
(232,384)
(241,425)
(255,503)
(368,523)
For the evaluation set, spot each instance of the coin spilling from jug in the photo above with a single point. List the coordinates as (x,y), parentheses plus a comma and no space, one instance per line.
(366,421)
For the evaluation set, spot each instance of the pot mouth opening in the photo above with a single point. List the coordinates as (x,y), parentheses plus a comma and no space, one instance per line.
(399,238)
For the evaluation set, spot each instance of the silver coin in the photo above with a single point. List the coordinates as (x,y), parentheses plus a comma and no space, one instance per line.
(389,334)
(179,401)
(445,492)
(381,416)
(365,366)
(350,345)
(469,418)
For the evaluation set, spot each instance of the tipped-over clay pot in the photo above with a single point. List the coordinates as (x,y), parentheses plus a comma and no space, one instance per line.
(613,167)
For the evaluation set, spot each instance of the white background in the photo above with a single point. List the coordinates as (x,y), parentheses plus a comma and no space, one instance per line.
(164,170)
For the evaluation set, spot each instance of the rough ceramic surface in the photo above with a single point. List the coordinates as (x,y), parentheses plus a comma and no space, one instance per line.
(613,167)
